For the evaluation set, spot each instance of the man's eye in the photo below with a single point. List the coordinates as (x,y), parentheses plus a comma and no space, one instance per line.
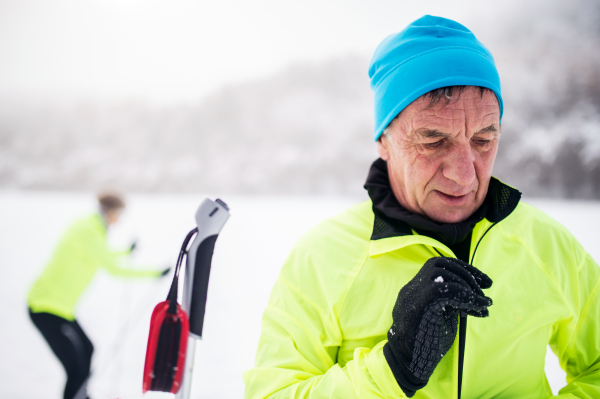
(481,142)
(435,144)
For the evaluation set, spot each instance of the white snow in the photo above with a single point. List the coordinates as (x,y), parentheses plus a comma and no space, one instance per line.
(248,255)
(439,279)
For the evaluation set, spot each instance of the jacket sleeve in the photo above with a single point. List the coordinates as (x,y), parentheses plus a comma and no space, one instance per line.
(576,342)
(297,354)
(99,252)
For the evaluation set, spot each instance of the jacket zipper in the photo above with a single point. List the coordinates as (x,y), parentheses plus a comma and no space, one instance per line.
(462,337)
(462,332)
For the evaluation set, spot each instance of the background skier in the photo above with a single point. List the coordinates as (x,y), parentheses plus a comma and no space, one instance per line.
(53,297)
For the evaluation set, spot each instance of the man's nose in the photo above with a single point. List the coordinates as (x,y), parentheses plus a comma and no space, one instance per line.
(459,165)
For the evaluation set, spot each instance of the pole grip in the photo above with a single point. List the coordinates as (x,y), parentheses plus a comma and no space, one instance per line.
(204,253)
(210,219)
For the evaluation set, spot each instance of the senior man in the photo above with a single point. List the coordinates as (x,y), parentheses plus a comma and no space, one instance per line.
(367,304)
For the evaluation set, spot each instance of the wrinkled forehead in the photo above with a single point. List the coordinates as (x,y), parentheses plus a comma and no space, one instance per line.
(471,107)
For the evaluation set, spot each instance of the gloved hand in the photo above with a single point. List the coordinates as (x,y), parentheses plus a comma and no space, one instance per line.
(132,247)
(165,272)
(425,318)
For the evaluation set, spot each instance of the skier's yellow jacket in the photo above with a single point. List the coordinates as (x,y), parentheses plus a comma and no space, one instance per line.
(326,322)
(80,252)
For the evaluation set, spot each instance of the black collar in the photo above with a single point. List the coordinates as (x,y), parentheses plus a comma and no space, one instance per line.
(392,219)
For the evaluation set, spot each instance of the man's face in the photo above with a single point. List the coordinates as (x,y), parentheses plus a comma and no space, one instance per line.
(440,159)
(112,216)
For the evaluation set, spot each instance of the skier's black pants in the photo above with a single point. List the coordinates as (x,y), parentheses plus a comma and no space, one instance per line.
(72,347)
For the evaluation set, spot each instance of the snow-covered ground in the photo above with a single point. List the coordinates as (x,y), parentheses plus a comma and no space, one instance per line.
(115,312)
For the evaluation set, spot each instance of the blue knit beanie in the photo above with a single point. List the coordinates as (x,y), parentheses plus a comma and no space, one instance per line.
(430,53)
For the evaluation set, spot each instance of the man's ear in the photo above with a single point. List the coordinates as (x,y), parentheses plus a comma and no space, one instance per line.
(383,144)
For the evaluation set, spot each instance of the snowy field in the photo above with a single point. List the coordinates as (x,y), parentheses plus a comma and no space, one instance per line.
(115,313)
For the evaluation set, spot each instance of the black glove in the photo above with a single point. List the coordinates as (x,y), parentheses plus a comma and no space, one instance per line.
(165,272)
(132,247)
(425,318)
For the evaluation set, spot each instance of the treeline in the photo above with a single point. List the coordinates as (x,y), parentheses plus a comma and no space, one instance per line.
(550,55)
(308,129)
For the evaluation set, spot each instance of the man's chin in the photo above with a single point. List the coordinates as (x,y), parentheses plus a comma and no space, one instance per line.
(445,215)
(444,208)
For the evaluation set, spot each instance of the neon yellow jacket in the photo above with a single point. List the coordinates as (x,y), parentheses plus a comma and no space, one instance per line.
(81,251)
(326,322)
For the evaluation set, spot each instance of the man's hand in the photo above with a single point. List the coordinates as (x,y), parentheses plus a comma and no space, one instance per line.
(425,318)
(165,272)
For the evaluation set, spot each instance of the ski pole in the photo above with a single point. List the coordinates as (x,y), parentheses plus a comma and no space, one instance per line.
(124,332)
(128,327)
(210,219)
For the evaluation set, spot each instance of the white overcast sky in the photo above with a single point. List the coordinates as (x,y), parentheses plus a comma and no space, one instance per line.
(174,51)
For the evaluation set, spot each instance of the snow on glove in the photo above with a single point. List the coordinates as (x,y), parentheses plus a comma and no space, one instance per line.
(425,318)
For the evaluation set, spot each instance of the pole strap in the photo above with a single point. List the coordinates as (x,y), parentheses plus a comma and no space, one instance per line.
(172,297)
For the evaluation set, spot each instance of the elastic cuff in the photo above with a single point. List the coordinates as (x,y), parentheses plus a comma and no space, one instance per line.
(405,379)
